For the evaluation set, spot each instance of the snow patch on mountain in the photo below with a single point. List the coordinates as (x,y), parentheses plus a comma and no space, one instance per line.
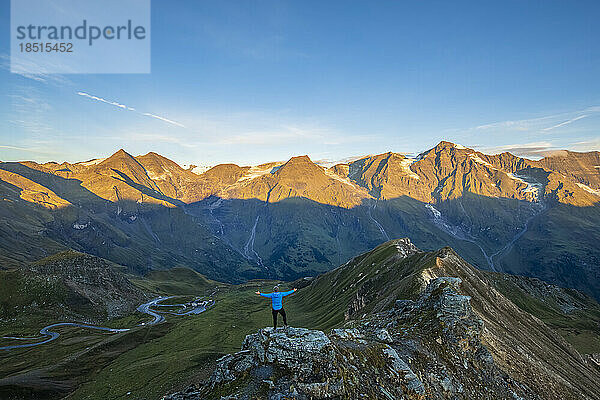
(406,163)
(532,186)
(434,211)
(95,161)
(258,171)
(478,160)
(335,176)
(196,169)
(589,189)
(161,177)
(331,163)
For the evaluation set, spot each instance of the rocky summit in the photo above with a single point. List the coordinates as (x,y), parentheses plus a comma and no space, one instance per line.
(427,348)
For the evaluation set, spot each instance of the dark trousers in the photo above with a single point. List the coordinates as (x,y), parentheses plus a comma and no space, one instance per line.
(282,312)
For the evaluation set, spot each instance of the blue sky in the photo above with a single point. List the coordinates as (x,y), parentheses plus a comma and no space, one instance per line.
(256,81)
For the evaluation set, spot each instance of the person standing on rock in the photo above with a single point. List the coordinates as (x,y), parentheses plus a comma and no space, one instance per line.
(277,303)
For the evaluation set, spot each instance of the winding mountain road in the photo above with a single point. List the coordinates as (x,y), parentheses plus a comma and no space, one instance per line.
(146,308)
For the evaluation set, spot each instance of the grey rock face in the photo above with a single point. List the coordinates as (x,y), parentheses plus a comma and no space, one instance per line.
(423,349)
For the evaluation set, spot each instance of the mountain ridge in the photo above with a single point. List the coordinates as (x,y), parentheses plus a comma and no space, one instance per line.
(453,334)
(290,219)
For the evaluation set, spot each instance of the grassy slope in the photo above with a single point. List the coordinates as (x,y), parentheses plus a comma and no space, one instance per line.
(380,276)
(187,352)
(560,247)
(175,281)
(162,358)
(27,301)
(580,327)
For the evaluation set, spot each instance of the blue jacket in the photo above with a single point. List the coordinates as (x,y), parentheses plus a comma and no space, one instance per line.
(277,298)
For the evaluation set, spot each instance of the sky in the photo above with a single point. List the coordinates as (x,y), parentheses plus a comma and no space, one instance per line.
(256,81)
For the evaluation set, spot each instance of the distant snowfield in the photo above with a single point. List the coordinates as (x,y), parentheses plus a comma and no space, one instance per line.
(199,170)
(95,161)
(347,160)
(335,176)
(588,189)
(532,187)
(478,160)
(406,163)
(259,170)
(166,174)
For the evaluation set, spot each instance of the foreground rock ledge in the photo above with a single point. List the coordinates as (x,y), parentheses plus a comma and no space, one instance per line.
(428,348)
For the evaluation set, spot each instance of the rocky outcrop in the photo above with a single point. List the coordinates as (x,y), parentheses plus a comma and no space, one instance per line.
(424,348)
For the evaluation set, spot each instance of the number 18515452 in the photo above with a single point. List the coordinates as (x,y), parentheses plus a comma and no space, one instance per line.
(42,47)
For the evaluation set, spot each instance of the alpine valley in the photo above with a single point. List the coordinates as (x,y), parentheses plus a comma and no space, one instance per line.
(449,274)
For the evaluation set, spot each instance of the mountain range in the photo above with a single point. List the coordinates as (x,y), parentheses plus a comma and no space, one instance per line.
(287,220)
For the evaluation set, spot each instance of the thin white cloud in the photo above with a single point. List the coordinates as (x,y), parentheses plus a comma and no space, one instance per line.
(532,149)
(113,103)
(16,148)
(45,151)
(124,107)
(164,119)
(565,123)
(521,125)
(588,145)
(540,124)
(20,67)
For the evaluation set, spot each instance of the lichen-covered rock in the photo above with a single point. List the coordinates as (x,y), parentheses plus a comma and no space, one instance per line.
(428,348)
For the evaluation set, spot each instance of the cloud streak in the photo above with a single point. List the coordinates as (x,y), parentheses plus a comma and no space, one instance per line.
(19,67)
(541,124)
(125,107)
(164,119)
(564,123)
(588,145)
(113,103)
(16,148)
(533,149)
(537,150)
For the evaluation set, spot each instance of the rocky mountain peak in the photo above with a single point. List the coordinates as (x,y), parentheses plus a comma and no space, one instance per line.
(300,167)
(404,246)
(444,145)
(447,146)
(121,160)
(300,159)
(119,154)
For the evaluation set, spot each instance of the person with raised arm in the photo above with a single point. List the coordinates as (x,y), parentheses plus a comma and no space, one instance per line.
(277,303)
